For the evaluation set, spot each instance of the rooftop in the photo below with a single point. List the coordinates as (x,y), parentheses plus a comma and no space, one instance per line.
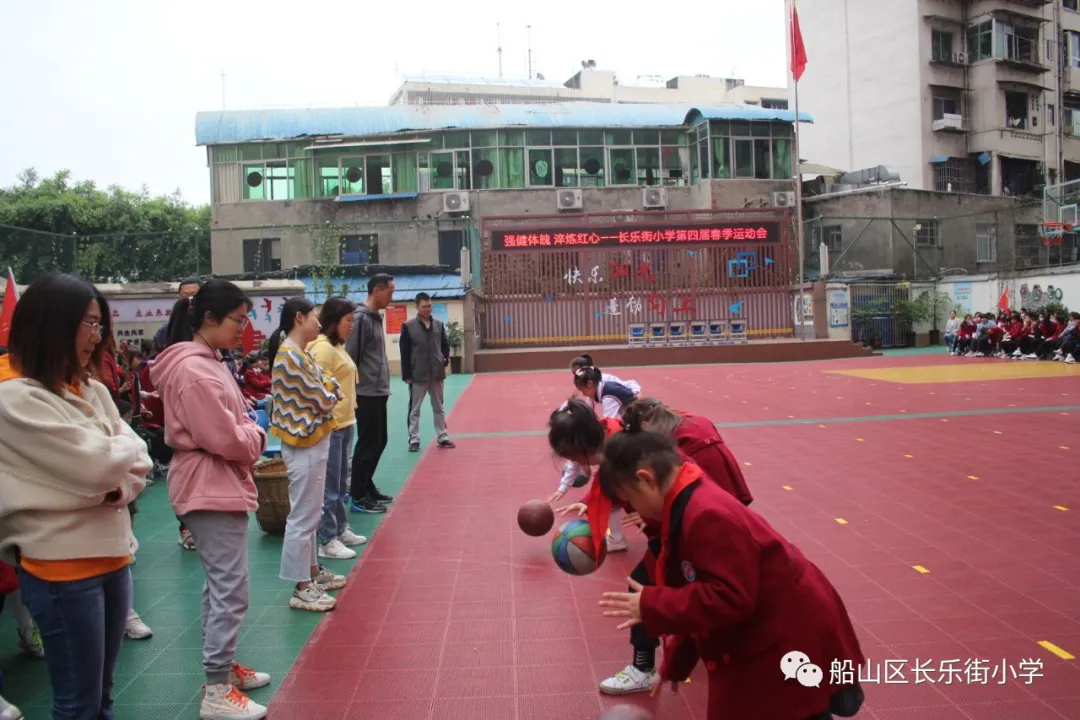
(233,126)
(493,82)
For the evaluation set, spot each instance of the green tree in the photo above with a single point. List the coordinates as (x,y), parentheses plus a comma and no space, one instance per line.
(111,235)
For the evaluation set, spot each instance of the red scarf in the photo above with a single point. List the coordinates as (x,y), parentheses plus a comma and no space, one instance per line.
(688,474)
(599,504)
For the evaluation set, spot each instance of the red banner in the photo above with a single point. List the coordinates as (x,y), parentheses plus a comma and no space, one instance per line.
(630,236)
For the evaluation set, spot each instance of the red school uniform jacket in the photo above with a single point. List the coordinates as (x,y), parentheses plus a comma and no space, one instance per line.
(256,384)
(734,593)
(699,439)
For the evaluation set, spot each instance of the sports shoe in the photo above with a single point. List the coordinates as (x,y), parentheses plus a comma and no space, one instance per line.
(368,506)
(135,628)
(336,550)
(9,711)
(225,702)
(381,499)
(313,598)
(447,444)
(328,580)
(30,643)
(186,540)
(629,680)
(614,545)
(351,539)
(414,447)
(244,678)
(1070,359)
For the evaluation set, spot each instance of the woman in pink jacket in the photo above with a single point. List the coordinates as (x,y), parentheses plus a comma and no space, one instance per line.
(215,445)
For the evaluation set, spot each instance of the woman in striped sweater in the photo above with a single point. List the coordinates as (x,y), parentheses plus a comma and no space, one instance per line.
(302,416)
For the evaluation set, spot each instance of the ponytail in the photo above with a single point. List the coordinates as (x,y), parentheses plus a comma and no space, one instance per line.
(582,360)
(216,299)
(286,321)
(652,415)
(181,327)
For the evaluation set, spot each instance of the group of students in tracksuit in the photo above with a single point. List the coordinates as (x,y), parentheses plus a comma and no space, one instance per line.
(717,584)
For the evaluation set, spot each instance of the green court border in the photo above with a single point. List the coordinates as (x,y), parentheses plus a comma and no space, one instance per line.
(161,677)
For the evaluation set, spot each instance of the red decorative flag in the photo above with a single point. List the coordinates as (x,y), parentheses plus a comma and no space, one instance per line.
(798,50)
(11,296)
(1003,301)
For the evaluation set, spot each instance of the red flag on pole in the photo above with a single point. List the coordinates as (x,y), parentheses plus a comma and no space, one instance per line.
(798,50)
(11,296)
(1003,301)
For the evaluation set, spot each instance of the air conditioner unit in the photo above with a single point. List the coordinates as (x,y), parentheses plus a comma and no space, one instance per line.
(654,197)
(783,199)
(455,202)
(960,58)
(568,199)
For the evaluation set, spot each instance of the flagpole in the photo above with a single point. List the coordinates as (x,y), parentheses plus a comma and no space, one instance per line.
(798,168)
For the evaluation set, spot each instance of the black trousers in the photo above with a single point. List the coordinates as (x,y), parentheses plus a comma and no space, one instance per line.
(639,639)
(371,439)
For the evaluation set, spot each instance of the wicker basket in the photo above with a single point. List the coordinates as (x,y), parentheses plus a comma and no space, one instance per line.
(272,481)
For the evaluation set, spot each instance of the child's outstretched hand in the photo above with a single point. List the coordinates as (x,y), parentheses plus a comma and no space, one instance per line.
(659,685)
(625,605)
(556,496)
(580,508)
(633,520)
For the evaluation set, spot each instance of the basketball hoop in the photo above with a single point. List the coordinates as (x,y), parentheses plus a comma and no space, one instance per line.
(1052,233)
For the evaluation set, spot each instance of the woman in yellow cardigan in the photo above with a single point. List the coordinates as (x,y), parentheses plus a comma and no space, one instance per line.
(302,416)
(336,321)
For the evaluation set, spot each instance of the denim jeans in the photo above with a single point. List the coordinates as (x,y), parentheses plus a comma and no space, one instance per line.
(950,340)
(82,626)
(334,517)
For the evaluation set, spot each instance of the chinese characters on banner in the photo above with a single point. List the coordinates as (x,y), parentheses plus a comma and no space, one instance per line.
(641,237)
(396,315)
(151,313)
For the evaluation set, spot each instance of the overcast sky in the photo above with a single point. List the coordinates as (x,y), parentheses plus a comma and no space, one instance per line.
(109,89)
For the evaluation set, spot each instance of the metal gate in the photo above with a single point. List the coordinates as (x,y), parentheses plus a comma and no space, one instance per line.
(873,313)
(584,279)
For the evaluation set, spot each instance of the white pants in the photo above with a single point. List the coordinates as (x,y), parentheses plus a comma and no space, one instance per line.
(307,481)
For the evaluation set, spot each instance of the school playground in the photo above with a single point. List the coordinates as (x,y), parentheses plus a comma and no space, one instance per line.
(940,495)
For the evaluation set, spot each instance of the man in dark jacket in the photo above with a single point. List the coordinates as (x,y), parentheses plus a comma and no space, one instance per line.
(366,345)
(425,353)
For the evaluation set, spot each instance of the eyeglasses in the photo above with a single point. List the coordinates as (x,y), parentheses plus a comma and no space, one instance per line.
(94,328)
(240,322)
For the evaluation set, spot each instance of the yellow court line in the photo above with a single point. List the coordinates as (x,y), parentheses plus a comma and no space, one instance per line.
(920,569)
(973,477)
(842,521)
(787,487)
(1062,508)
(1063,654)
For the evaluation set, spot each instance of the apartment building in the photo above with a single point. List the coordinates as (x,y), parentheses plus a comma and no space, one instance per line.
(588,85)
(973,96)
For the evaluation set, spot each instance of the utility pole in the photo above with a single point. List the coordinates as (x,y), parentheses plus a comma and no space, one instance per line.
(498,36)
(528,34)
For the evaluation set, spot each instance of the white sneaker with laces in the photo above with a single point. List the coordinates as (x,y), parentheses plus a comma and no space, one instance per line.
(629,680)
(351,539)
(135,628)
(614,545)
(313,598)
(244,678)
(328,580)
(335,550)
(225,702)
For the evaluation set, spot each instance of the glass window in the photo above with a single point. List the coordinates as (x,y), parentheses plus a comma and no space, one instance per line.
(592,165)
(456,140)
(485,168)
(511,138)
(537,137)
(404,172)
(695,171)
(485,138)
(511,167)
(359,249)
(717,127)
(721,160)
(648,166)
(591,137)
(673,137)
(980,41)
(352,176)
(278,180)
(326,176)
(463,174)
(566,167)
(540,167)
(251,151)
(941,46)
(760,129)
(621,161)
(379,176)
(781,157)
(762,159)
(262,254)
(564,137)
(254,182)
(744,158)
(675,163)
(703,155)
(226,153)
(442,171)
(302,188)
(646,137)
(620,137)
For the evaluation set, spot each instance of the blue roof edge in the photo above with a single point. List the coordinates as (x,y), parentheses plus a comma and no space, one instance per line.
(231,126)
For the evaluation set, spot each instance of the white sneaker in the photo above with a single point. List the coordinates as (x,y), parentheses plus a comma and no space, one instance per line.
(629,680)
(614,546)
(1070,359)
(351,539)
(244,678)
(1031,356)
(312,598)
(335,550)
(329,580)
(9,711)
(135,628)
(225,702)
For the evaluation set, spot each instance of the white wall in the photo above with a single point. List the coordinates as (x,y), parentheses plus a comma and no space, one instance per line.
(862,85)
(985,290)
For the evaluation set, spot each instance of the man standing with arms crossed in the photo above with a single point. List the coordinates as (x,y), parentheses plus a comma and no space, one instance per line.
(367,347)
(425,353)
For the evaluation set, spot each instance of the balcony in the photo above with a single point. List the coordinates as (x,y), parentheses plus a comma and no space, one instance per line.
(949,123)
(956,60)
